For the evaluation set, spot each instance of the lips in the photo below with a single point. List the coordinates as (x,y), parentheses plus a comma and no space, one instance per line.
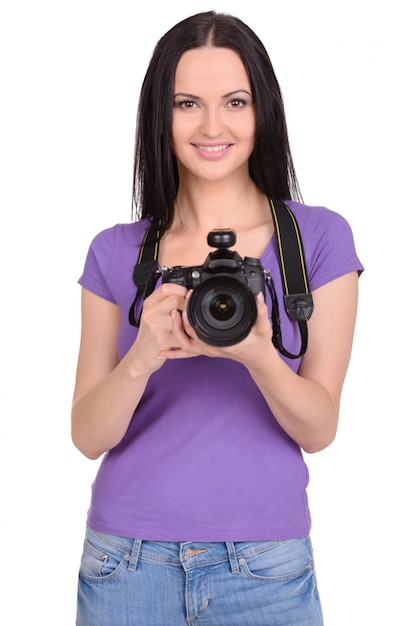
(217,148)
(212,152)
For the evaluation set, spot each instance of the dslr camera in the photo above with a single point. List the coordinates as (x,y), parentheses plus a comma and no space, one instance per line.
(222,308)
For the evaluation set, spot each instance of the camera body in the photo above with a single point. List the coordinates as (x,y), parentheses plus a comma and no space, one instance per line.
(222,307)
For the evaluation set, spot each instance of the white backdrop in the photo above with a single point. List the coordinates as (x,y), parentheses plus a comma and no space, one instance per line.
(70,79)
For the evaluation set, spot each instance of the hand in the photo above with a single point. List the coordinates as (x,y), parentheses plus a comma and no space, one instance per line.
(157,333)
(252,347)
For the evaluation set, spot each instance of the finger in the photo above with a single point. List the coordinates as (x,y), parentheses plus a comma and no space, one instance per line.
(179,329)
(171,355)
(167,289)
(167,293)
(187,326)
(262,310)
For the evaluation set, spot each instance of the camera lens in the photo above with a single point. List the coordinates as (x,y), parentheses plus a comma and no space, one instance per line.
(222,306)
(222,310)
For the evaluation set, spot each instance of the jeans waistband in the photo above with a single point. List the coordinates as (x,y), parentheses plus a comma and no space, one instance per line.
(188,554)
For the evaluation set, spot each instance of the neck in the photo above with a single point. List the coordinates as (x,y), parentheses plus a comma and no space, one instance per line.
(209,206)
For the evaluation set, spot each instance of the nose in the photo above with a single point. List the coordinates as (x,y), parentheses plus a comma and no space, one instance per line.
(212,122)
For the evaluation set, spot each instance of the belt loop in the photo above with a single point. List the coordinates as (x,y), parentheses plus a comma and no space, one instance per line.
(136,549)
(232,557)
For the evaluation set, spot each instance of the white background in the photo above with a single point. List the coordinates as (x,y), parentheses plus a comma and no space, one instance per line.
(70,79)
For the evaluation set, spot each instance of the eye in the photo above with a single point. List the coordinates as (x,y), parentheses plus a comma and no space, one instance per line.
(237,103)
(185,104)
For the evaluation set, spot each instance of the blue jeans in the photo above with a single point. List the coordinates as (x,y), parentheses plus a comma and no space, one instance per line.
(129,582)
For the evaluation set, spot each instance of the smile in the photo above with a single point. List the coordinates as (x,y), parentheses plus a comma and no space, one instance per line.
(218,148)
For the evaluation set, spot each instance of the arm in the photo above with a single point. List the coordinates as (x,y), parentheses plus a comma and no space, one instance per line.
(306,404)
(107,390)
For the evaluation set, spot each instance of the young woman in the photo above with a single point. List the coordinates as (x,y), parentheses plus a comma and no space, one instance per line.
(199,512)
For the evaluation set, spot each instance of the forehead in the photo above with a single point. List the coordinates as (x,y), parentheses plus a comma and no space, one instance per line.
(207,66)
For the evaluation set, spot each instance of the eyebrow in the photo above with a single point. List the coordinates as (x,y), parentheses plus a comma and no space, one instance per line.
(226,95)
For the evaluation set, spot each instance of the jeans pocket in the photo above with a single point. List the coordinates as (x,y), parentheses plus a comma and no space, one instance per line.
(278,561)
(101,559)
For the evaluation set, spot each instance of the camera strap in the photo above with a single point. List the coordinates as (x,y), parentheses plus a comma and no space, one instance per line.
(297,297)
(145,271)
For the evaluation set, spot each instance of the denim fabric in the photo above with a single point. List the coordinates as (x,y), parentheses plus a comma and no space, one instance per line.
(127,582)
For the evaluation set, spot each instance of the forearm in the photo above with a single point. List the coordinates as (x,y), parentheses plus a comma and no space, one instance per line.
(303,408)
(101,415)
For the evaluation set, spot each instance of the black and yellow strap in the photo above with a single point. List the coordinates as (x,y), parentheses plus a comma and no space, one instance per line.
(145,269)
(298,301)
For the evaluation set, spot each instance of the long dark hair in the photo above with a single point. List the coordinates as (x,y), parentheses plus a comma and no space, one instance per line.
(156,180)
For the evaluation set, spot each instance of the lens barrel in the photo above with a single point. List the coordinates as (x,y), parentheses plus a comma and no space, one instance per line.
(222,310)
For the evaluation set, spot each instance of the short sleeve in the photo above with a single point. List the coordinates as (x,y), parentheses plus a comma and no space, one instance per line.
(97,265)
(332,251)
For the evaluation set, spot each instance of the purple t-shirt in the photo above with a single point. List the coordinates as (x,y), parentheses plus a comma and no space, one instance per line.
(203,458)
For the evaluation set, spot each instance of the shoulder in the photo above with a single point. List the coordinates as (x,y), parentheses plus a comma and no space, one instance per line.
(317,217)
(130,234)
(328,242)
(116,242)
(111,256)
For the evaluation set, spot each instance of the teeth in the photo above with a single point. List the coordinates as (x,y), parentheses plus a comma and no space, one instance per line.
(213,148)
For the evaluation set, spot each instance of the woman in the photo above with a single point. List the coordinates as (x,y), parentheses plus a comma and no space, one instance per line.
(199,512)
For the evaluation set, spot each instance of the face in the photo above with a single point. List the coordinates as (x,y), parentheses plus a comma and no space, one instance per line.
(213,129)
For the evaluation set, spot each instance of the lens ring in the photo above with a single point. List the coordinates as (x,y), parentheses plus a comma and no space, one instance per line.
(222,310)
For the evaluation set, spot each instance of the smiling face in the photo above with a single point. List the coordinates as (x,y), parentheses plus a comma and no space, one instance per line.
(213,128)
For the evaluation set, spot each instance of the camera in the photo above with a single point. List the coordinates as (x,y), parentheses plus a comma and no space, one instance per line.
(222,308)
